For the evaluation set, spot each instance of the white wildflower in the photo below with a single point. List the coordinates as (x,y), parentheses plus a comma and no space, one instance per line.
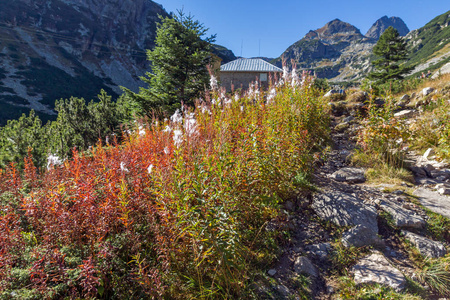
(177,117)
(167,129)
(141,130)
(213,83)
(177,137)
(123,168)
(166,150)
(236,97)
(205,109)
(272,94)
(190,125)
(242,108)
(295,80)
(285,73)
(53,160)
(149,169)
(250,91)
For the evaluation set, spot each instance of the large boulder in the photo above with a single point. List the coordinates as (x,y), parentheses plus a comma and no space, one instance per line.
(375,269)
(403,218)
(360,236)
(345,210)
(350,175)
(303,265)
(426,247)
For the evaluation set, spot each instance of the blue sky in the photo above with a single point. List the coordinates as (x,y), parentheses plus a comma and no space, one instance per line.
(267,28)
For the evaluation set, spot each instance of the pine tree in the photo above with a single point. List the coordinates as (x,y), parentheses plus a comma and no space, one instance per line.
(391,49)
(179,65)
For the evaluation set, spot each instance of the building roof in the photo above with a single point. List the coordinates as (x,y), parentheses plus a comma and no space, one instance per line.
(249,65)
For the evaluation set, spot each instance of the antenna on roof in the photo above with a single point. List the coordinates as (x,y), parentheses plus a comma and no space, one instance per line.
(242,46)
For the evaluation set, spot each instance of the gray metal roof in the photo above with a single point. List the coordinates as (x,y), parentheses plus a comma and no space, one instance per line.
(249,65)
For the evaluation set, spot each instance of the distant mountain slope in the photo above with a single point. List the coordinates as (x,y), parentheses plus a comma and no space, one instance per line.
(430,45)
(383,23)
(337,50)
(51,49)
(225,54)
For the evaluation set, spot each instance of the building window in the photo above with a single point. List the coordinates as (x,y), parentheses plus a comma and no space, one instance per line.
(263,77)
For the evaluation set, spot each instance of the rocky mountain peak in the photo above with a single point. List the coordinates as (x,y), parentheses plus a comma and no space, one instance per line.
(334,32)
(383,23)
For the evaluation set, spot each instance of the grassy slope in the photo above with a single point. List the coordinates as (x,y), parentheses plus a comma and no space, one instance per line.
(433,37)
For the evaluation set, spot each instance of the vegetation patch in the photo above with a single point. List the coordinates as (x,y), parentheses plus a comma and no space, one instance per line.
(39,74)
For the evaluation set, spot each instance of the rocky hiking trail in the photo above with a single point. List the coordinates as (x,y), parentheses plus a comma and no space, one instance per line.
(344,216)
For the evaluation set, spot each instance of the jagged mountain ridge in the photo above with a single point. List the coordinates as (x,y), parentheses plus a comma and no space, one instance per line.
(337,51)
(383,23)
(330,50)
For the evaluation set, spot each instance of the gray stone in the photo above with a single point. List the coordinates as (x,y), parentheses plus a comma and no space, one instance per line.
(379,102)
(345,155)
(375,269)
(444,191)
(303,265)
(403,218)
(426,247)
(445,69)
(426,91)
(405,98)
(429,152)
(348,119)
(360,236)
(345,210)
(419,171)
(289,205)
(445,174)
(407,113)
(331,92)
(341,127)
(272,272)
(321,250)
(351,175)
(428,168)
(433,201)
(283,290)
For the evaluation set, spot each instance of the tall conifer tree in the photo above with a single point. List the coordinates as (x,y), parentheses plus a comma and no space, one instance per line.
(179,65)
(391,49)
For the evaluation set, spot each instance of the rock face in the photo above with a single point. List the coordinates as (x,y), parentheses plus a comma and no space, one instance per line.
(223,53)
(383,23)
(51,48)
(345,210)
(376,269)
(331,50)
(426,247)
